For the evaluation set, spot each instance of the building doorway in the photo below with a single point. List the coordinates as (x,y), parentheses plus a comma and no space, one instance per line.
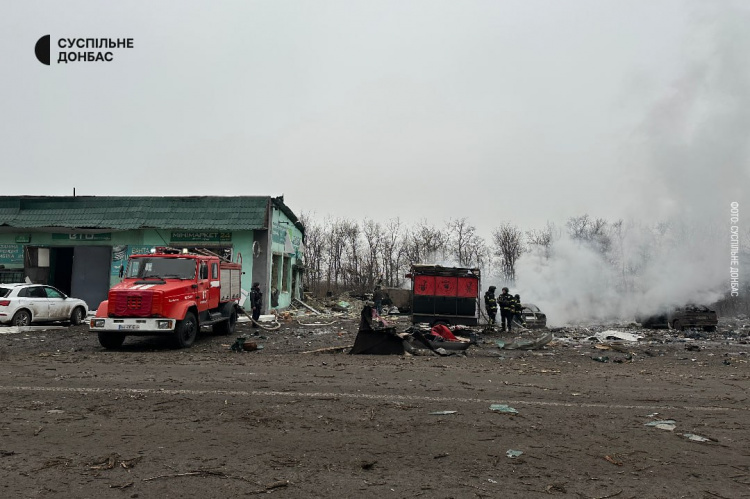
(79,271)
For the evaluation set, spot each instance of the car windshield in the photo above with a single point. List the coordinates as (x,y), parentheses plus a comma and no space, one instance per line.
(160,267)
(532,307)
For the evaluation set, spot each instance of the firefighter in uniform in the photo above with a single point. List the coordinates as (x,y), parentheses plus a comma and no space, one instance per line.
(519,308)
(507,308)
(490,304)
(256,302)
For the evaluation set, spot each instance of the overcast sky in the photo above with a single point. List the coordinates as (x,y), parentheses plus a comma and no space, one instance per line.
(496,110)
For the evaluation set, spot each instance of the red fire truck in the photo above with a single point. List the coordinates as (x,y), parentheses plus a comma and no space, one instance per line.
(444,294)
(170,292)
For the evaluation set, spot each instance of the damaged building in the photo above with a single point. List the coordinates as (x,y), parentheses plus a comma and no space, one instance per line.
(80,244)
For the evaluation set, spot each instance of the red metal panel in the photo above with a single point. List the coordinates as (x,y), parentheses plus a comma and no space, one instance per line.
(468,287)
(446,286)
(424,285)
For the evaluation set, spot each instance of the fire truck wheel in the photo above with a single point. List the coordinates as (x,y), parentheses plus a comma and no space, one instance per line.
(227,326)
(111,341)
(186,331)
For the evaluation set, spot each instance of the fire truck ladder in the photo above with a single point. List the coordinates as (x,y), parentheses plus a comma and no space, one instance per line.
(205,252)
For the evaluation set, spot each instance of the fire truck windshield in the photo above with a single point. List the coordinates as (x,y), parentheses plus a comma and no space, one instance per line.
(159,267)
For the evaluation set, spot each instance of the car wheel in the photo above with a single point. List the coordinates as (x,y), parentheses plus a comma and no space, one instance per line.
(710,329)
(227,326)
(186,331)
(676,325)
(77,316)
(111,341)
(21,318)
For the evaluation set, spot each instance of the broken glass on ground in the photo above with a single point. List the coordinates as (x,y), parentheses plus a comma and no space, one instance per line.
(503,408)
(663,424)
(695,438)
(512,453)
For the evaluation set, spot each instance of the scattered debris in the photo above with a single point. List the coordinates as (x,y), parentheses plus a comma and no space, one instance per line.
(612,460)
(330,349)
(663,424)
(511,453)
(367,465)
(123,486)
(556,487)
(441,455)
(219,474)
(105,463)
(601,359)
(617,335)
(308,307)
(503,408)
(697,438)
(528,344)
(442,413)
(241,344)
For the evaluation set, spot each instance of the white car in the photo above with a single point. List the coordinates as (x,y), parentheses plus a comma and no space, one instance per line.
(24,304)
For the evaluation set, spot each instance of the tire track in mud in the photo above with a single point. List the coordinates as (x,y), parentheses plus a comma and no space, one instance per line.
(362,396)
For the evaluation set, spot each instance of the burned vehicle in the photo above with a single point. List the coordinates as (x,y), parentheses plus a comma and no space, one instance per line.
(680,318)
(533,316)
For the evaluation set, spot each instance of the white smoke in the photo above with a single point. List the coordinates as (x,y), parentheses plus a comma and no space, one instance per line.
(691,159)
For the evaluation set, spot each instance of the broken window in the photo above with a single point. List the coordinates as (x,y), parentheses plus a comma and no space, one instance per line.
(287,274)
(276,267)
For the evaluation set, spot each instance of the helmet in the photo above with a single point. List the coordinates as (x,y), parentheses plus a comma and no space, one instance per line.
(492,288)
(518,296)
(505,290)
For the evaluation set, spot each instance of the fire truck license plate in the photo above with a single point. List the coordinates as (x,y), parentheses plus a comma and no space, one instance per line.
(128,326)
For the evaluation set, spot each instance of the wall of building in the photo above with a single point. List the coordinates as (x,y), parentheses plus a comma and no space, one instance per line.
(122,244)
(286,257)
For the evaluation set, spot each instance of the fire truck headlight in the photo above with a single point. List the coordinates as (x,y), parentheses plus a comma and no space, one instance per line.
(164,324)
(97,322)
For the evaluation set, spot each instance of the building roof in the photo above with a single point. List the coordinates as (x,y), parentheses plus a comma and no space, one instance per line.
(129,213)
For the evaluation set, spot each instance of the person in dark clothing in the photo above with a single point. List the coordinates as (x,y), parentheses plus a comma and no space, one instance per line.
(507,309)
(490,304)
(517,316)
(366,322)
(256,302)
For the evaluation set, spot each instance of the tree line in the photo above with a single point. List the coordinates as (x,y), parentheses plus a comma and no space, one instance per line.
(345,254)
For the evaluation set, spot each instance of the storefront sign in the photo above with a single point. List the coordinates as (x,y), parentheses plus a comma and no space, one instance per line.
(11,254)
(24,238)
(104,236)
(200,237)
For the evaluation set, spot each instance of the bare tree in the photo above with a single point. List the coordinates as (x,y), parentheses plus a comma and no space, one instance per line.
(392,252)
(314,248)
(592,232)
(542,239)
(425,243)
(508,241)
(465,245)
(371,267)
(352,276)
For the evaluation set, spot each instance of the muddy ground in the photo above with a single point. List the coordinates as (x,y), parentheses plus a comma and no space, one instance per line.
(148,421)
